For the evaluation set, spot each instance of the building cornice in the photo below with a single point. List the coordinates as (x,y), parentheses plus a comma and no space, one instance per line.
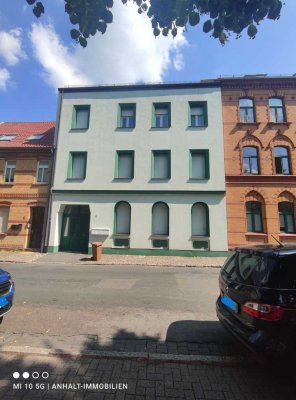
(136,87)
(267,83)
(125,192)
(261,179)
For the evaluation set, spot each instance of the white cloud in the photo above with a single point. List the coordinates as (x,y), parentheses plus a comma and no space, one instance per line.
(126,53)
(11,46)
(4,78)
(60,67)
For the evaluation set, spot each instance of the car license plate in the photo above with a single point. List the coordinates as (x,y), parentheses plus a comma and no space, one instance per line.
(3,302)
(228,302)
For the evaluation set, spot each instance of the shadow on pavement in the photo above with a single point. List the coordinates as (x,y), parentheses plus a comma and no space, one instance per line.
(145,379)
(183,337)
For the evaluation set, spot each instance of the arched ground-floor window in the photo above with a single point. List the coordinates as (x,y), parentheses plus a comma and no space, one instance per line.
(286,217)
(254,216)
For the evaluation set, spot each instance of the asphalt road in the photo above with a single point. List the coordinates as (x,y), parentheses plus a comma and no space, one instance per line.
(177,304)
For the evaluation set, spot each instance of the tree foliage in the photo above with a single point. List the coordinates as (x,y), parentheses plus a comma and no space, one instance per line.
(223,17)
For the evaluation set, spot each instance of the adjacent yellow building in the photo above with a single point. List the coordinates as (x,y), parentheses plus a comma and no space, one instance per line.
(25,174)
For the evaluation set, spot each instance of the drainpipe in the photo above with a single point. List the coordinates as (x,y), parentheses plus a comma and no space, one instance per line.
(54,152)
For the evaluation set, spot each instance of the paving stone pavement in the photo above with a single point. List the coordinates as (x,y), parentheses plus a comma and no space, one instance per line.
(85,379)
(109,259)
(80,343)
(19,256)
(122,259)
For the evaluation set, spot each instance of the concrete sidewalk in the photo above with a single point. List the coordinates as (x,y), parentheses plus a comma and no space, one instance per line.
(109,259)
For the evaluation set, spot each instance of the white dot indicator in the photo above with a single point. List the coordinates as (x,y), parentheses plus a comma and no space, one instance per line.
(26,375)
(16,375)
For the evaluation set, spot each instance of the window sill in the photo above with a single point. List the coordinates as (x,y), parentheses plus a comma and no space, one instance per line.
(75,179)
(256,233)
(122,129)
(121,235)
(6,183)
(123,179)
(40,184)
(248,124)
(192,238)
(160,179)
(256,237)
(162,128)
(192,127)
(196,180)
(287,235)
(159,237)
(79,129)
(278,124)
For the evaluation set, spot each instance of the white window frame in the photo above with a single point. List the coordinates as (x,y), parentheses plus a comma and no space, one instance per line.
(12,169)
(43,168)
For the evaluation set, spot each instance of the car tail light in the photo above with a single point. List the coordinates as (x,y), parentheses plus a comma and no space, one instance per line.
(265,312)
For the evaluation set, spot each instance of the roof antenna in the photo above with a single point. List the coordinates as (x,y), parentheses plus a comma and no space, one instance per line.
(280,244)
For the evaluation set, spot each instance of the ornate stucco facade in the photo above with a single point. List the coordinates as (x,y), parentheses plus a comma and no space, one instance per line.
(268,185)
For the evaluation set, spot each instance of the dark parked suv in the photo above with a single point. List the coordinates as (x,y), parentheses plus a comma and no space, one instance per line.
(257,301)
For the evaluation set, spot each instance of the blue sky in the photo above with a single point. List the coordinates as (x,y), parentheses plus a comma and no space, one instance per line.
(37,56)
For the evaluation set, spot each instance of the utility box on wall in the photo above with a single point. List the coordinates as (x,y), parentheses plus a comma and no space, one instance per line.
(100,231)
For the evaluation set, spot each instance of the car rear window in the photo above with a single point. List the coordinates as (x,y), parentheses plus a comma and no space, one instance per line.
(244,267)
(277,272)
(282,272)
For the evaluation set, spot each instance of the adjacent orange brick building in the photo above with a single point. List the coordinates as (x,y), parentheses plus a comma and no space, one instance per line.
(259,116)
(25,174)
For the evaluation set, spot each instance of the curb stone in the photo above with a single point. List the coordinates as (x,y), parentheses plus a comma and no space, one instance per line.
(111,265)
(174,358)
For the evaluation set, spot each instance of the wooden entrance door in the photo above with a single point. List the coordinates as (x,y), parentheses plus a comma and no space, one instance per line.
(37,222)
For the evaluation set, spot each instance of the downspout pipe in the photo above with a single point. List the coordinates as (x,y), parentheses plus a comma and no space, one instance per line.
(54,153)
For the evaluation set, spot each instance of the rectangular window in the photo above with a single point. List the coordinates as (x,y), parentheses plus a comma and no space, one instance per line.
(161,164)
(161,115)
(127,116)
(77,165)
(9,171)
(124,168)
(199,164)
(4,212)
(80,117)
(276,109)
(42,171)
(198,114)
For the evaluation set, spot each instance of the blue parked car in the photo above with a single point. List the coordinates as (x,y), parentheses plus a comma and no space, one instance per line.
(6,293)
